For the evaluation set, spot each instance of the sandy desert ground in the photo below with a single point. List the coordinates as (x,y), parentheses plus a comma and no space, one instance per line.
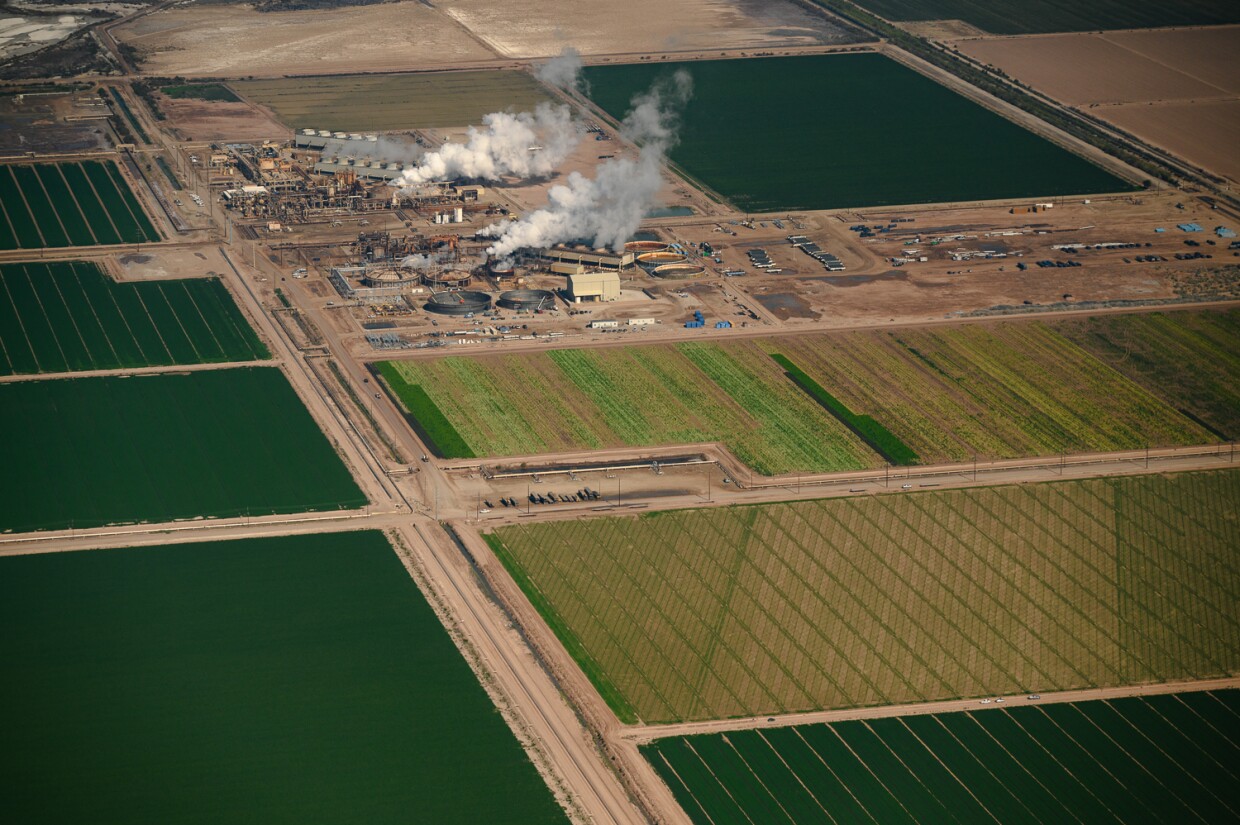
(1178,89)
(220,120)
(1202,132)
(1119,67)
(234,40)
(538,28)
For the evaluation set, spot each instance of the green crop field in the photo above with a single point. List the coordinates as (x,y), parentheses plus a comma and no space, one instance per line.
(832,131)
(1038,16)
(383,103)
(68,315)
(90,451)
(1170,758)
(888,599)
(69,204)
(201,91)
(1006,390)
(915,396)
(1188,358)
(283,680)
(586,399)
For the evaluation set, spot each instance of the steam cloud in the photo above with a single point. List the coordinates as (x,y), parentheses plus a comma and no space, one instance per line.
(609,207)
(424,262)
(524,145)
(563,71)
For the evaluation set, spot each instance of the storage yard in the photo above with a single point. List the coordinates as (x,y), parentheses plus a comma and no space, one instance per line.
(744,387)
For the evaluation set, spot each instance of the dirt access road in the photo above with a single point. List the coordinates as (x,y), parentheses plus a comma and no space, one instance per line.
(646,733)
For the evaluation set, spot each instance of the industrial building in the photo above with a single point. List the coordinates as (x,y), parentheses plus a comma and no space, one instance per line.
(599,285)
(584,256)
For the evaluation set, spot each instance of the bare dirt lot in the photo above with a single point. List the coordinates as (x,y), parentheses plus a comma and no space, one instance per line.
(1120,67)
(235,40)
(1202,132)
(1178,89)
(219,120)
(537,28)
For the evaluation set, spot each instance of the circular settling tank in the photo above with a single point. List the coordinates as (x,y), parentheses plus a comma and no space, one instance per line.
(442,279)
(653,259)
(461,302)
(645,246)
(676,272)
(388,277)
(527,299)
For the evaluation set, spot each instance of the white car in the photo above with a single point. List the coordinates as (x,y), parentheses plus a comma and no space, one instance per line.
(985,702)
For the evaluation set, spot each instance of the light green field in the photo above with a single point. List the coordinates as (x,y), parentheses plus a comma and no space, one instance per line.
(892,599)
(576,399)
(1000,390)
(384,103)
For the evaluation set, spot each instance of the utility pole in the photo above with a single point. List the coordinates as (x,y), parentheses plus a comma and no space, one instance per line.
(975,466)
(887,474)
(527,498)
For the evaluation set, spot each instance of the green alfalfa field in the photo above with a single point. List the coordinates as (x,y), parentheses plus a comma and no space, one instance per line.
(278,680)
(835,131)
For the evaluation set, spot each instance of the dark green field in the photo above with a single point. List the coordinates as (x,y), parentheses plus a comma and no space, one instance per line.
(1034,16)
(68,315)
(832,131)
(289,680)
(1172,758)
(202,91)
(90,451)
(69,204)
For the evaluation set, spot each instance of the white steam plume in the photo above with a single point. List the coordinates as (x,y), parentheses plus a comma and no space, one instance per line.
(524,145)
(609,207)
(424,262)
(563,71)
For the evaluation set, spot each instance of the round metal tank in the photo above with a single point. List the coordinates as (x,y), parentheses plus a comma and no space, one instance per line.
(528,299)
(442,279)
(649,260)
(463,302)
(388,277)
(678,271)
(645,246)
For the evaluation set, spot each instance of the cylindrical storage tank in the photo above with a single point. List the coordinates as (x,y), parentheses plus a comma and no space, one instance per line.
(443,279)
(458,216)
(650,260)
(502,271)
(459,303)
(678,271)
(527,299)
(645,246)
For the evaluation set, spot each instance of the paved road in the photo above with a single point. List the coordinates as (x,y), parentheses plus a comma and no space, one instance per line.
(647,733)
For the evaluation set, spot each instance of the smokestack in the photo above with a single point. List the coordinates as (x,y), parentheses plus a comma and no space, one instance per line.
(608,208)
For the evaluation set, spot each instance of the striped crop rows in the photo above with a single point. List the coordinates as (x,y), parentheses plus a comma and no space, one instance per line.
(894,599)
(948,394)
(1171,758)
(69,316)
(86,203)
